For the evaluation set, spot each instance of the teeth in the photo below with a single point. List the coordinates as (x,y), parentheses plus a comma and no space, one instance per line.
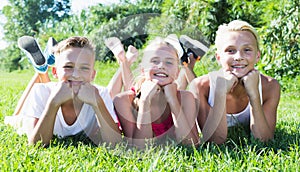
(161,74)
(237,66)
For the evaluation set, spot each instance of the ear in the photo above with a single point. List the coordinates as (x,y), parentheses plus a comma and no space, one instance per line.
(177,73)
(142,71)
(54,72)
(94,74)
(257,57)
(218,57)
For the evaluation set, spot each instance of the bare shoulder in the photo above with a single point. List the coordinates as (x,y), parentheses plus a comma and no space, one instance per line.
(200,86)
(270,86)
(269,82)
(185,94)
(201,81)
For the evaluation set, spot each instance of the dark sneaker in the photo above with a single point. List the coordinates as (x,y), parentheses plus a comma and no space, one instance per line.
(33,52)
(49,51)
(192,46)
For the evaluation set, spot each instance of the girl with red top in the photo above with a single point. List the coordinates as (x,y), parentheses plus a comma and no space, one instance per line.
(154,109)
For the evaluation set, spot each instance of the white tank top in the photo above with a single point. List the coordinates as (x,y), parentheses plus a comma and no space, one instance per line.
(242,117)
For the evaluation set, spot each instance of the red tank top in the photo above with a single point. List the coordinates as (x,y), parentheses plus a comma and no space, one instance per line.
(163,127)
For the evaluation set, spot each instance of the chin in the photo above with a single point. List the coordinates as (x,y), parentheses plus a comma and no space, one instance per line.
(239,75)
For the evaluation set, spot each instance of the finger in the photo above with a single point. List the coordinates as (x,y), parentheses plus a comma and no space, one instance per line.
(75,89)
(155,81)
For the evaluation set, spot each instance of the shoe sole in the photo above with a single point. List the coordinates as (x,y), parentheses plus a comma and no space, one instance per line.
(29,44)
(199,48)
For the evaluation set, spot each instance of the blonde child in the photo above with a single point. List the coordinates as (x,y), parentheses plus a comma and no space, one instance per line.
(154,108)
(238,94)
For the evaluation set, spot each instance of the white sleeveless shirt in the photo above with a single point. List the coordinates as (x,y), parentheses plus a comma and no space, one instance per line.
(242,117)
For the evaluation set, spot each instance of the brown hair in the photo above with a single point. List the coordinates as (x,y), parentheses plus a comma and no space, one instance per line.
(74,42)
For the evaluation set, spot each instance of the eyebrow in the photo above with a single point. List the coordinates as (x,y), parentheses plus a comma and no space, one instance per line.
(170,58)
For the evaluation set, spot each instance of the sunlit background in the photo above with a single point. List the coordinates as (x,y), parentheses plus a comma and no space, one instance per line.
(76,6)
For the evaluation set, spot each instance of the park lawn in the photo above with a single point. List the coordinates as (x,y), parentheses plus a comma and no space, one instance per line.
(77,154)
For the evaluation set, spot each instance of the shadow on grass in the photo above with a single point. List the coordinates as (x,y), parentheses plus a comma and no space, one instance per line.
(287,136)
(76,141)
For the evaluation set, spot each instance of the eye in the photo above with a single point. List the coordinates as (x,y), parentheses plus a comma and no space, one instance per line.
(85,68)
(230,50)
(155,61)
(248,49)
(169,62)
(68,67)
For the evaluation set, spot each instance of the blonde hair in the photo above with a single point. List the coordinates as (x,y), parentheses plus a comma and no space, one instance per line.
(158,42)
(235,25)
(153,45)
(74,42)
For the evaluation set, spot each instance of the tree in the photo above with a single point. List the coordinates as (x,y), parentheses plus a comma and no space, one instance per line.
(126,21)
(281,40)
(25,17)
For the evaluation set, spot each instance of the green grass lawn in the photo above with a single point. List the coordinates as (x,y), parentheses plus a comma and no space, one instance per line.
(76,154)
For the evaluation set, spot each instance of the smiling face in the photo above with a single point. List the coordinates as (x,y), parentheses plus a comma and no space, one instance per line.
(160,64)
(75,65)
(238,52)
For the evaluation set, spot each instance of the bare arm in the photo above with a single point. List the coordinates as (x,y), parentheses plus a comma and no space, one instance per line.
(43,129)
(144,120)
(109,131)
(212,120)
(263,116)
(123,107)
(183,114)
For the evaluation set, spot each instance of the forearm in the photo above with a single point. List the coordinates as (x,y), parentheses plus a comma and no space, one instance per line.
(109,130)
(143,130)
(215,127)
(43,130)
(144,121)
(258,122)
(184,126)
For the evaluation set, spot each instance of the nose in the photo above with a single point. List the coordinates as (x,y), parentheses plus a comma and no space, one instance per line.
(238,56)
(75,73)
(161,65)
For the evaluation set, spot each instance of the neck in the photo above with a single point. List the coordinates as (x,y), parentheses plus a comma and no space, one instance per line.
(239,90)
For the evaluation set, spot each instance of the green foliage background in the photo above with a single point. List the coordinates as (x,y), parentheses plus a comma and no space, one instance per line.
(134,23)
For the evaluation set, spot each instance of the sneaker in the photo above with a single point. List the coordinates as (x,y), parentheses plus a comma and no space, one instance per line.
(49,51)
(33,52)
(193,46)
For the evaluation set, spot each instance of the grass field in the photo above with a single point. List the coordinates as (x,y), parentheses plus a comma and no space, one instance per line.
(75,154)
